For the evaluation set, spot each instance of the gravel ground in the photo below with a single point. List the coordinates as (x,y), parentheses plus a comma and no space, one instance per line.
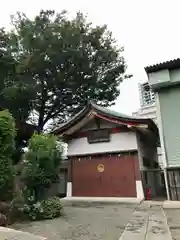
(95,222)
(173,219)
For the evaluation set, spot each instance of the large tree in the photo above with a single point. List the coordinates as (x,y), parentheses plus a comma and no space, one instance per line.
(14,94)
(63,63)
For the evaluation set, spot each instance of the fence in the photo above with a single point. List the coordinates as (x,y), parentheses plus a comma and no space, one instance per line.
(174,183)
(153,180)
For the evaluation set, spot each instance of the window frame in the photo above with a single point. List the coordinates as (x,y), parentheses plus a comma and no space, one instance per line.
(98,139)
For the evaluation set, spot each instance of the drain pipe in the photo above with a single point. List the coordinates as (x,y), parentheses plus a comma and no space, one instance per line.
(165,168)
(166,183)
(162,140)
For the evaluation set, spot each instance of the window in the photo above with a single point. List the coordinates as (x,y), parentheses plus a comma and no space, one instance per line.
(100,135)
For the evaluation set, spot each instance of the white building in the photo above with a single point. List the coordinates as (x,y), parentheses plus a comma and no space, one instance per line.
(147,102)
(148,108)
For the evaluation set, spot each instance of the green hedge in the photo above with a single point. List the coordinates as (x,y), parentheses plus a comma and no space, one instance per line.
(7,145)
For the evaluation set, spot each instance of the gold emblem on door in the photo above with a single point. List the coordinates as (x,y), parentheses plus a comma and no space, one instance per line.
(100,168)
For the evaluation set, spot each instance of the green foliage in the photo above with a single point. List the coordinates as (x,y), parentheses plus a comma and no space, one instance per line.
(59,64)
(15,95)
(7,134)
(52,207)
(7,143)
(42,162)
(46,209)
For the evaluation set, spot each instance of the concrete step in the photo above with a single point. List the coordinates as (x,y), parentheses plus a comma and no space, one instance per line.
(98,200)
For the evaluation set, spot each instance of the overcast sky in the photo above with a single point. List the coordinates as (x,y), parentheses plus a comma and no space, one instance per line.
(148,30)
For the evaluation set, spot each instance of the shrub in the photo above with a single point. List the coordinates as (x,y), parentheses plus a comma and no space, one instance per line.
(52,208)
(46,209)
(6,179)
(42,165)
(7,144)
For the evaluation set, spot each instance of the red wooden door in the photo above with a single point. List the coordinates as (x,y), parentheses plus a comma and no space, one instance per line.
(117,180)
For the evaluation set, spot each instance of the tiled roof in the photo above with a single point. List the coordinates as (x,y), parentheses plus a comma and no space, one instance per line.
(105,112)
(112,113)
(172,64)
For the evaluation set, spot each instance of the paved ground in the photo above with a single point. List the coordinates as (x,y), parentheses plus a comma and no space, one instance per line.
(146,221)
(11,234)
(95,222)
(173,219)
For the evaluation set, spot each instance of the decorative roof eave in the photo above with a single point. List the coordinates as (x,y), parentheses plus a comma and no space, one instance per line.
(103,113)
(92,115)
(129,120)
(129,124)
(123,119)
(172,64)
